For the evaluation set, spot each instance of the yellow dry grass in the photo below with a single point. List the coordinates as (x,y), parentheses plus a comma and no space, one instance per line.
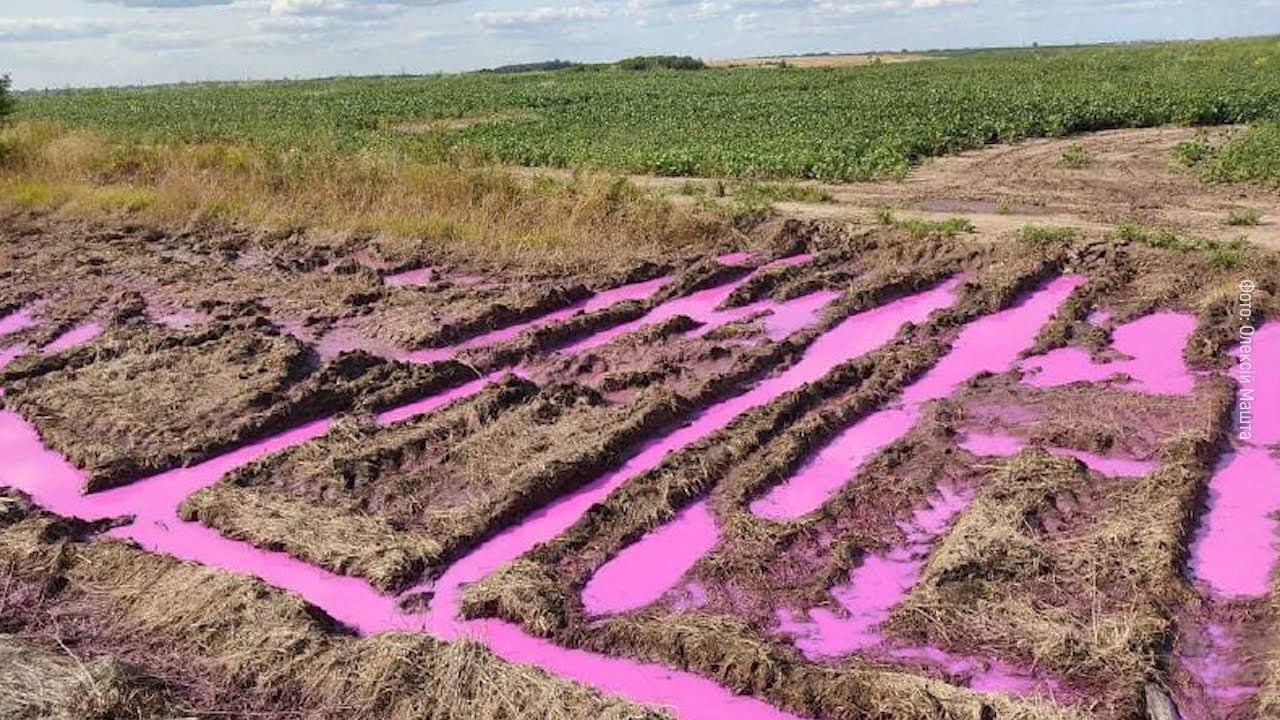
(465,208)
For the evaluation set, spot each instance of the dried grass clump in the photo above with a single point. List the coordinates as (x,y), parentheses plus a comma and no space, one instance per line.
(42,684)
(464,209)
(232,644)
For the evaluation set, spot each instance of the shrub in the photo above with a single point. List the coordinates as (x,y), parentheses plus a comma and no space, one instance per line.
(1076,157)
(1244,216)
(6,98)
(1045,234)
(663,62)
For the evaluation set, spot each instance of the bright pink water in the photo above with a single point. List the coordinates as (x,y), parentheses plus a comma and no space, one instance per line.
(73,337)
(15,321)
(1234,551)
(734,258)
(410,278)
(1154,345)
(1006,446)
(780,318)
(640,573)
(599,301)
(9,354)
(1257,372)
(356,604)
(875,586)
(852,338)
(56,486)
(990,344)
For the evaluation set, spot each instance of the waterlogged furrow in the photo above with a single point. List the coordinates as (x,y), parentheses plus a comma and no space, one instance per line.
(156,527)
(1008,446)
(599,301)
(779,318)
(1234,554)
(989,344)
(1151,347)
(73,337)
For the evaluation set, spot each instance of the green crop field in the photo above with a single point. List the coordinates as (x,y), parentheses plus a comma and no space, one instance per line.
(826,123)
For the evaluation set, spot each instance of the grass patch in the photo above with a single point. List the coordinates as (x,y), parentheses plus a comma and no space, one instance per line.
(1224,255)
(921,228)
(1244,217)
(462,208)
(1251,157)
(1047,234)
(1076,157)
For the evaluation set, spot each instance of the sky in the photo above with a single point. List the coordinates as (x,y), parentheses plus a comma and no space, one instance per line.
(66,43)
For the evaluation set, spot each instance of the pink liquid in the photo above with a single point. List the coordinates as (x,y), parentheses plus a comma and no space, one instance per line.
(9,354)
(734,258)
(1006,446)
(1234,551)
(660,558)
(1154,345)
(781,319)
(71,338)
(599,301)
(410,278)
(15,321)
(991,344)
(875,586)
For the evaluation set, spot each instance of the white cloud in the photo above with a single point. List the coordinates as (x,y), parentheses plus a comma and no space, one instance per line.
(516,20)
(50,29)
(146,41)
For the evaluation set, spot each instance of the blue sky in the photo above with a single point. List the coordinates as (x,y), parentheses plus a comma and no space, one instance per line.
(58,43)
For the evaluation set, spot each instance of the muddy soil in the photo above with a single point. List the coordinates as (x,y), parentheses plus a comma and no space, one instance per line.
(918,477)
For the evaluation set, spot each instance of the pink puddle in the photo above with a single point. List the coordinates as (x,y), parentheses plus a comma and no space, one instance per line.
(991,344)
(1154,345)
(410,278)
(1214,672)
(780,319)
(855,336)
(661,558)
(15,321)
(599,301)
(733,258)
(1006,446)
(1234,550)
(55,484)
(875,586)
(9,354)
(73,337)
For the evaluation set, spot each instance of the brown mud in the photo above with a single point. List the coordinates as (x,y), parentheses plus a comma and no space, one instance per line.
(1053,569)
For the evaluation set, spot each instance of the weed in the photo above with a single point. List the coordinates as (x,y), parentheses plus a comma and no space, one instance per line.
(1244,216)
(1076,157)
(950,227)
(884,215)
(1004,207)
(1046,234)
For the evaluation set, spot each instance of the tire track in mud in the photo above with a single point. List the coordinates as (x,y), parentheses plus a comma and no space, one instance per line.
(1233,554)
(356,604)
(53,483)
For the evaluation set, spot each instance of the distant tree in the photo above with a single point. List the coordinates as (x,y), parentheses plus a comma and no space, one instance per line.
(666,62)
(6,99)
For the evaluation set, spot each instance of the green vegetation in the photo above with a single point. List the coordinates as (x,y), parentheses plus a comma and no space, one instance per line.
(6,99)
(1223,254)
(1076,157)
(543,66)
(948,227)
(661,62)
(1252,157)
(1244,216)
(1048,234)
(843,123)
